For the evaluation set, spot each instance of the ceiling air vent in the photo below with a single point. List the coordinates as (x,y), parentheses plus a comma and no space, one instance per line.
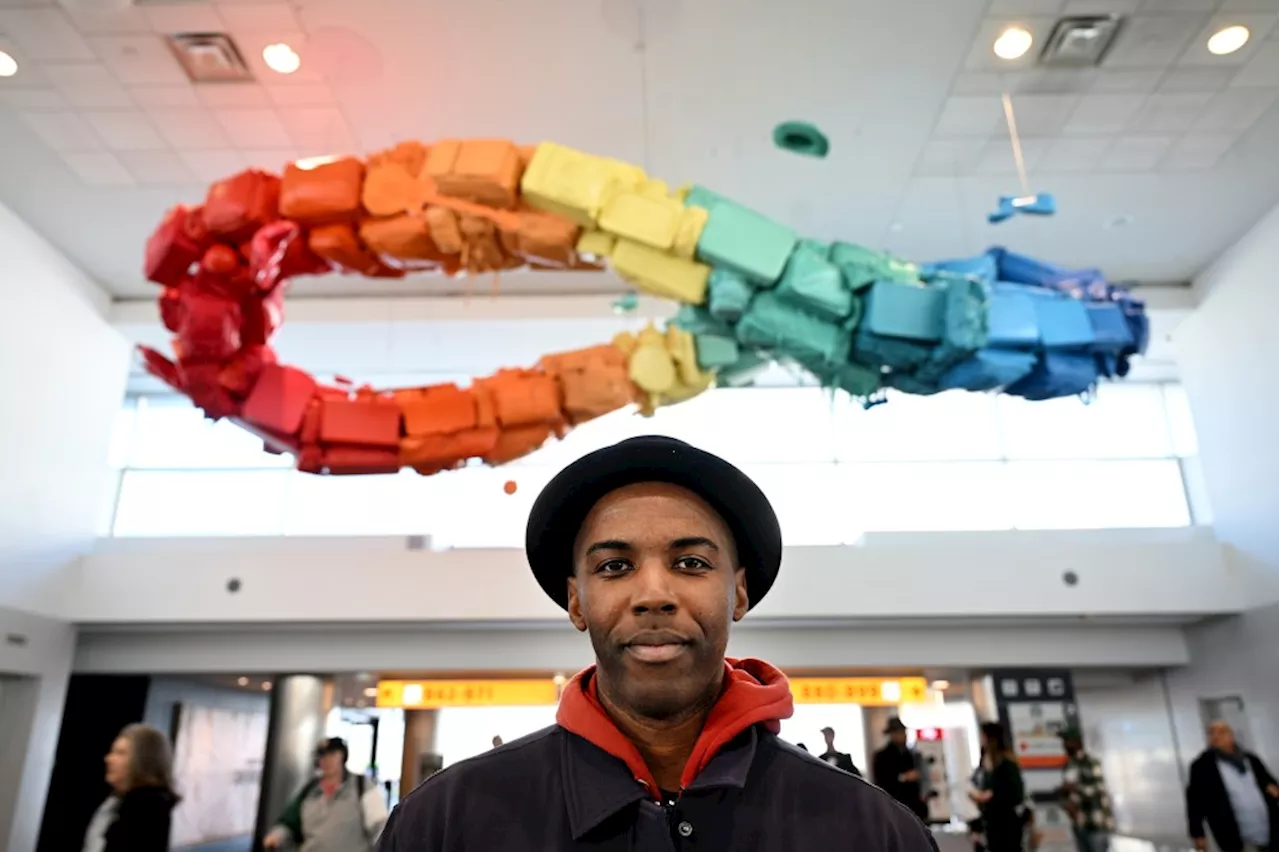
(1080,41)
(210,57)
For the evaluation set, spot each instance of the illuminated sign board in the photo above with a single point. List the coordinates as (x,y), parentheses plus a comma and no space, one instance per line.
(867,691)
(429,694)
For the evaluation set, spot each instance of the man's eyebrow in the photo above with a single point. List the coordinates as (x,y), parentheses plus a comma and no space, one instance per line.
(693,541)
(609,544)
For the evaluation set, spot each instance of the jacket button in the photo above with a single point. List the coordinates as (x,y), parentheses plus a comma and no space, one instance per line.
(685,829)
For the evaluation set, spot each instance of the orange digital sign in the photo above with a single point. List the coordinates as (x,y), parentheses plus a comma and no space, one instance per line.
(868,691)
(429,694)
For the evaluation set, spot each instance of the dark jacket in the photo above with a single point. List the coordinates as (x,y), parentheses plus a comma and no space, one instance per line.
(888,764)
(1207,801)
(841,760)
(1004,815)
(554,791)
(142,821)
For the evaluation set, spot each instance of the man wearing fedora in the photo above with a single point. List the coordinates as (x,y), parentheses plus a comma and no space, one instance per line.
(896,769)
(655,549)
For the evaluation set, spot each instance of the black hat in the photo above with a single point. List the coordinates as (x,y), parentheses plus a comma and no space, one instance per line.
(560,509)
(895,726)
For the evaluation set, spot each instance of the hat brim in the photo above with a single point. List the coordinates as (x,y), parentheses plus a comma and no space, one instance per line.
(560,509)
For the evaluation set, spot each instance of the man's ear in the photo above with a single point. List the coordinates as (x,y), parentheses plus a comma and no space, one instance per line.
(575,605)
(740,599)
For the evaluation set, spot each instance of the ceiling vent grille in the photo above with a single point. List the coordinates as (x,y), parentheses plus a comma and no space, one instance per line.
(1080,42)
(210,58)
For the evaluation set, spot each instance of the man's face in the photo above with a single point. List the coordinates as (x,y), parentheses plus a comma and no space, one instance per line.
(830,737)
(331,763)
(1073,746)
(656,584)
(898,738)
(1222,737)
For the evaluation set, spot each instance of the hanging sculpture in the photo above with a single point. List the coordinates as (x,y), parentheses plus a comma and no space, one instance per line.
(751,292)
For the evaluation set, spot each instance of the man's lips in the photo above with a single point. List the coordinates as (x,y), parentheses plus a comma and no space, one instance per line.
(656,647)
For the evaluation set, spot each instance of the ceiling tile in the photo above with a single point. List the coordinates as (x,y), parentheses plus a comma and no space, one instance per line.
(1099,114)
(1133,80)
(1169,113)
(29,74)
(1248,6)
(1236,109)
(949,157)
(260,16)
(969,116)
(156,167)
(306,94)
(253,128)
(1260,70)
(139,59)
(183,18)
(164,96)
(1179,80)
(17,4)
(100,169)
(209,166)
(1197,51)
(88,86)
(997,156)
(231,95)
(63,131)
(272,160)
(1198,151)
(251,43)
(1073,155)
(1057,81)
(1179,5)
(108,20)
(1135,153)
(1152,41)
(45,34)
(31,98)
(1100,7)
(1013,8)
(317,128)
(125,130)
(189,129)
(1042,115)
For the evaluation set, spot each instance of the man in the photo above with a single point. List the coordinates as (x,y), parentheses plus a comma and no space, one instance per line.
(655,549)
(896,770)
(1232,790)
(838,759)
(1084,796)
(497,741)
(335,811)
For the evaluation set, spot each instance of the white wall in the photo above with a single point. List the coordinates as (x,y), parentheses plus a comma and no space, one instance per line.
(63,369)
(1166,572)
(40,652)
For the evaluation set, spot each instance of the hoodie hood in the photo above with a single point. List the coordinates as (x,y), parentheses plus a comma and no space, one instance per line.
(754,693)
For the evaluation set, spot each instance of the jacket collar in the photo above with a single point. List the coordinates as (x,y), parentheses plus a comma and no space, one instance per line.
(598,785)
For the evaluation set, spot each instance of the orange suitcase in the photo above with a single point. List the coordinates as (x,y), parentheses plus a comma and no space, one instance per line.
(339,245)
(329,192)
(482,170)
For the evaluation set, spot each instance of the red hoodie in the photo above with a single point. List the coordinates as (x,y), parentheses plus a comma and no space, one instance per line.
(754,692)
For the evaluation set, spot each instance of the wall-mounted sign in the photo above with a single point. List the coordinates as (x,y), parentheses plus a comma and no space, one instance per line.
(867,691)
(427,694)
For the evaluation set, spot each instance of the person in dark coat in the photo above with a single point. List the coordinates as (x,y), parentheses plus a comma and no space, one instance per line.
(655,549)
(897,770)
(838,759)
(1234,792)
(1001,794)
(136,816)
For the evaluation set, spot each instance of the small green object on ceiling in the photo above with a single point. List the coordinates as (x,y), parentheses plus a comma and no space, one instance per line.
(626,303)
(801,137)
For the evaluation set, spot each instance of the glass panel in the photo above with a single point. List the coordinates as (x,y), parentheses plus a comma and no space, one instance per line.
(1125,421)
(1197,491)
(352,505)
(122,430)
(470,507)
(171,433)
(1182,428)
(107,499)
(812,509)
(1098,494)
(948,426)
(205,502)
(928,496)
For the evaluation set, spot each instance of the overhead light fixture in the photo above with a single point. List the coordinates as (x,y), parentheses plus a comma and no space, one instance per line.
(940,685)
(1080,41)
(1228,40)
(8,65)
(266,686)
(281,58)
(242,681)
(309,163)
(1013,43)
(371,692)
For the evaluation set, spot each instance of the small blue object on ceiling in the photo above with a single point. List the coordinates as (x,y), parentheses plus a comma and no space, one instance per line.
(801,137)
(1040,204)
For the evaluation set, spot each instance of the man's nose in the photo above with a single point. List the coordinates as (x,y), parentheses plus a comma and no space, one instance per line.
(653,591)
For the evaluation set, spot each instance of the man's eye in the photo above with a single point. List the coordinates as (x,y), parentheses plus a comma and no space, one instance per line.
(692,563)
(613,566)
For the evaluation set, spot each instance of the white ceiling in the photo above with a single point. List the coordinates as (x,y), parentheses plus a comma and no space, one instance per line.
(101,131)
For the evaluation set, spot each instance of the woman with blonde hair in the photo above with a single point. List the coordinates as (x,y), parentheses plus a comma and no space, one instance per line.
(136,816)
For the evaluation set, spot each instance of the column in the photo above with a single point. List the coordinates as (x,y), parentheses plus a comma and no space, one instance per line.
(299,704)
(420,756)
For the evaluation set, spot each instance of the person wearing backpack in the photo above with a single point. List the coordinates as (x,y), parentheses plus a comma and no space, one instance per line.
(333,812)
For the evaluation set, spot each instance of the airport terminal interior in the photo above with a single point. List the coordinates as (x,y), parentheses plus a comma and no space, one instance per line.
(303,303)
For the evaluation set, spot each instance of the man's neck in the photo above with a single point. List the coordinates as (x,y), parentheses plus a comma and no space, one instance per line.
(665,744)
(331,780)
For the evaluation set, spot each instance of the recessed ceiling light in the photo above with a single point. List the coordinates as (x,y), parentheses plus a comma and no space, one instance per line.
(266,686)
(8,65)
(281,58)
(1228,40)
(371,692)
(242,681)
(1013,43)
(941,684)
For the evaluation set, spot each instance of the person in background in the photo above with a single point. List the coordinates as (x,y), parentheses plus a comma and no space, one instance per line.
(497,741)
(1084,796)
(802,747)
(333,812)
(838,759)
(1234,793)
(1000,794)
(136,816)
(896,769)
